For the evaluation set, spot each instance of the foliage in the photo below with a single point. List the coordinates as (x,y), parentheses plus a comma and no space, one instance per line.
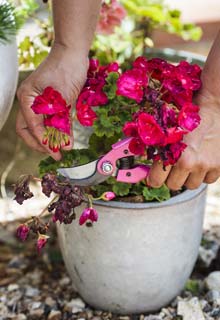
(129,39)
(9,22)
(192,285)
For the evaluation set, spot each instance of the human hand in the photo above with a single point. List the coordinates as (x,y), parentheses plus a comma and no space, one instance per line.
(65,71)
(200,161)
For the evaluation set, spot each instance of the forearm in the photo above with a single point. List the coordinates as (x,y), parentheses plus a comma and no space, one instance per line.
(75,22)
(211,70)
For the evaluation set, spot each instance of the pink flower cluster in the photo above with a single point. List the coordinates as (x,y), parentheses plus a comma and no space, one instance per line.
(92,94)
(111,15)
(23,232)
(163,93)
(55,111)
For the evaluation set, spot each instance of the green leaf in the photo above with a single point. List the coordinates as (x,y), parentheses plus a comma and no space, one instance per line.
(102,144)
(106,125)
(100,189)
(192,285)
(121,189)
(159,194)
(38,57)
(111,87)
(75,157)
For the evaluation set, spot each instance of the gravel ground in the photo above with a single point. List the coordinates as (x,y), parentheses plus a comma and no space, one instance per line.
(36,286)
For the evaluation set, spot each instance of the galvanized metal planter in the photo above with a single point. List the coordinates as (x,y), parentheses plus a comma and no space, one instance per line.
(137,257)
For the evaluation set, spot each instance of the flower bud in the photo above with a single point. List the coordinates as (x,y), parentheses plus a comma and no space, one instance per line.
(107,196)
(88,214)
(41,241)
(23,231)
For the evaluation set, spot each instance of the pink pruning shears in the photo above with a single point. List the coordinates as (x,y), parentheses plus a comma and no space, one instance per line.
(118,162)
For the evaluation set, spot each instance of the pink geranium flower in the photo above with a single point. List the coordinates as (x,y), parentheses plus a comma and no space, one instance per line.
(131,84)
(60,121)
(174,135)
(86,115)
(137,146)
(111,15)
(149,130)
(49,102)
(88,214)
(141,63)
(188,117)
(130,129)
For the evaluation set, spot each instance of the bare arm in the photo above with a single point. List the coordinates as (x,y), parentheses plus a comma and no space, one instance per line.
(64,69)
(75,23)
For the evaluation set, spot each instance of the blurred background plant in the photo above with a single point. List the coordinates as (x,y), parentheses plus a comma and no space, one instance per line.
(124,31)
(9,22)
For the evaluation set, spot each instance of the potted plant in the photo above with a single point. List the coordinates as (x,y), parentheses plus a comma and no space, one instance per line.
(141,251)
(8,58)
(139,254)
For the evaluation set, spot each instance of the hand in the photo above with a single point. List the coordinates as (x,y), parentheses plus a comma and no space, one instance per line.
(200,162)
(65,71)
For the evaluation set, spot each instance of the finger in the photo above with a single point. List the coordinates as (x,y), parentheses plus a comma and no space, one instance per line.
(157,175)
(177,178)
(33,121)
(23,131)
(195,179)
(211,176)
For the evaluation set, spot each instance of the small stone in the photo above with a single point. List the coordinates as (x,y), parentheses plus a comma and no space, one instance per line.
(212,295)
(36,305)
(212,282)
(190,310)
(89,314)
(215,313)
(152,317)
(75,305)
(64,282)
(13,287)
(206,256)
(38,313)
(55,315)
(50,302)
(31,292)
(20,316)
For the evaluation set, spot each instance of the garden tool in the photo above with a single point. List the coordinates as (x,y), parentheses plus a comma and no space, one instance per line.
(118,162)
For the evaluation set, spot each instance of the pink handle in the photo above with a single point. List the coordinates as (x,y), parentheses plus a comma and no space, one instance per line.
(107,164)
(133,175)
(119,150)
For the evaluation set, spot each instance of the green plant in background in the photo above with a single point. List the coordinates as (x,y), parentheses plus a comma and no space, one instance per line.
(9,22)
(33,49)
(129,39)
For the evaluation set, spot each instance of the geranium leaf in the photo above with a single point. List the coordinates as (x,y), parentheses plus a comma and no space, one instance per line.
(159,194)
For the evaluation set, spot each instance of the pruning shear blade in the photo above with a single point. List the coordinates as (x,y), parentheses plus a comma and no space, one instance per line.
(85,175)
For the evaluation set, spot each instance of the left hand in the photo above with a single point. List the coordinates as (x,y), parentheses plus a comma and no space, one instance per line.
(200,161)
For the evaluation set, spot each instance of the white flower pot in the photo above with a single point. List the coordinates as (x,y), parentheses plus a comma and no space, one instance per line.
(8,78)
(137,257)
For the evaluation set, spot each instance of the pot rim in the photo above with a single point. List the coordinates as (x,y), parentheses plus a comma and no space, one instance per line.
(185,196)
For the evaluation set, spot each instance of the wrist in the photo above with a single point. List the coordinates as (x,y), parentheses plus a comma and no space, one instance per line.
(70,51)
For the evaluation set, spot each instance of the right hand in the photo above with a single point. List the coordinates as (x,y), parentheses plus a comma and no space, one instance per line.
(65,71)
